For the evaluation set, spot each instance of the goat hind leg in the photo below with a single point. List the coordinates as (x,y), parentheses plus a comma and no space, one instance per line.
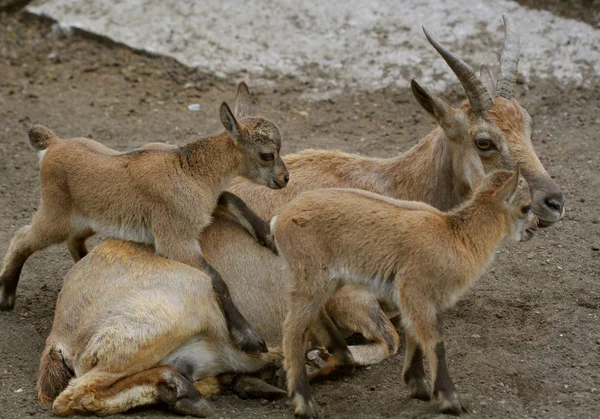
(76,244)
(294,343)
(104,394)
(28,239)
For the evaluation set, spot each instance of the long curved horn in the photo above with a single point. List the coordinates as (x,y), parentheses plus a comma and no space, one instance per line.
(478,95)
(509,60)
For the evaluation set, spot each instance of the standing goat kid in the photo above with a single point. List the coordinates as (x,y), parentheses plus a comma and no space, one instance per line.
(412,255)
(159,195)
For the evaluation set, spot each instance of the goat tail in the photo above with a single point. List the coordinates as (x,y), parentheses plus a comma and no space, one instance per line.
(54,375)
(41,137)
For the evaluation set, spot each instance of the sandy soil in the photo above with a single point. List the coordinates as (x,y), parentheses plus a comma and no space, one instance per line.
(525,342)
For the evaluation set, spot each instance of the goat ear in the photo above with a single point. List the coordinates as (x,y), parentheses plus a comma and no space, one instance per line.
(488,79)
(508,191)
(242,101)
(230,123)
(434,106)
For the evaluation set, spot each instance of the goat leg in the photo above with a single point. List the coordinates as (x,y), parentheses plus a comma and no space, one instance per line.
(242,334)
(236,209)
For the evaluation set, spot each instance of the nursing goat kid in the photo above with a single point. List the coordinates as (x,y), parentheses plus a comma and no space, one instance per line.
(409,254)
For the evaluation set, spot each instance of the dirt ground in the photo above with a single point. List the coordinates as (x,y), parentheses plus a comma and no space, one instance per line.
(525,342)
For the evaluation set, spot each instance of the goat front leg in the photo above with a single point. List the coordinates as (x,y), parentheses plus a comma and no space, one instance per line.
(424,327)
(240,331)
(233,207)
(242,334)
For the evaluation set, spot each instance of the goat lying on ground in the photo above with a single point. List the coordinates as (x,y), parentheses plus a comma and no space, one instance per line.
(419,259)
(163,196)
(133,348)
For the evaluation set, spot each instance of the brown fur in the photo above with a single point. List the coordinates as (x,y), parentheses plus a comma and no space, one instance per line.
(159,195)
(116,350)
(420,259)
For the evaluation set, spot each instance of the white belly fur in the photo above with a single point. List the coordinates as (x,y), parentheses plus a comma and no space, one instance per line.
(209,359)
(138,235)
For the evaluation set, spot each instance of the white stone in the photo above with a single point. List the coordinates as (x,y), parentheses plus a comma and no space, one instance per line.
(354,43)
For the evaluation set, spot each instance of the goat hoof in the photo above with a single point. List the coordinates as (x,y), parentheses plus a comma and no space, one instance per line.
(7,300)
(255,388)
(199,407)
(182,397)
(419,389)
(306,409)
(249,341)
(450,404)
(167,393)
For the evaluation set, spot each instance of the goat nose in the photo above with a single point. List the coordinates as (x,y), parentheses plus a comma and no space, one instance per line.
(555,202)
(286,177)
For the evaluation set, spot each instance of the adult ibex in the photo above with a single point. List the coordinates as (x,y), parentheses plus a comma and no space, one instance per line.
(417,258)
(490,131)
(163,196)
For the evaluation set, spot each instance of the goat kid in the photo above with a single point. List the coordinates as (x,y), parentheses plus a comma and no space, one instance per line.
(410,254)
(158,195)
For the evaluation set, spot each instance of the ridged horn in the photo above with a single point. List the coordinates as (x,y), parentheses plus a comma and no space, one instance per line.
(478,95)
(509,61)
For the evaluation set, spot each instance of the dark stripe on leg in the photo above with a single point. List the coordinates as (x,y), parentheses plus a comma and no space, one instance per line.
(240,212)
(443,382)
(240,330)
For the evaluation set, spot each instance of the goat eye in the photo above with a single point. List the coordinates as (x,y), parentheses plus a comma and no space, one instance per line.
(484,144)
(267,156)
(525,209)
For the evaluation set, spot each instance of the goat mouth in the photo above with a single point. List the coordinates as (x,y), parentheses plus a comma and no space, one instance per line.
(277,185)
(544,223)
